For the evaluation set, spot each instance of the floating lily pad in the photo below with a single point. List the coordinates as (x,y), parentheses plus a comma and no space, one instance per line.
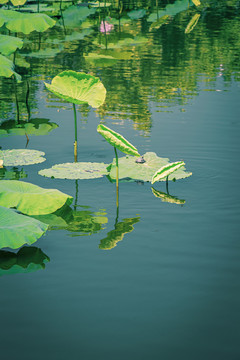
(31,199)
(9,44)
(26,260)
(7,68)
(117,234)
(137,14)
(16,21)
(167,198)
(17,157)
(128,168)
(17,230)
(78,88)
(79,170)
(35,126)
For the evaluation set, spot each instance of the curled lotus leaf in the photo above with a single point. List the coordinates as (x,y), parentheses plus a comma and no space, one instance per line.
(17,229)
(78,88)
(7,68)
(129,169)
(16,157)
(167,170)
(27,259)
(79,170)
(31,199)
(117,140)
(16,21)
(9,44)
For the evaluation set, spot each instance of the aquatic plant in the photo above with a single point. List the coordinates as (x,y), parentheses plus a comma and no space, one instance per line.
(78,88)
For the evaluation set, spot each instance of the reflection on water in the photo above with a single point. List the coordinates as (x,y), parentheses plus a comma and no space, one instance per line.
(12,174)
(165,197)
(27,259)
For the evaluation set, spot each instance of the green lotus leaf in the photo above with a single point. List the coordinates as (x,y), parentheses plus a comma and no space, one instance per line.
(7,68)
(27,259)
(117,234)
(79,170)
(171,9)
(74,15)
(167,198)
(9,44)
(129,169)
(17,229)
(117,140)
(137,14)
(196,2)
(17,21)
(166,170)
(31,199)
(13,174)
(3,2)
(18,2)
(35,127)
(16,157)
(192,23)
(78,88)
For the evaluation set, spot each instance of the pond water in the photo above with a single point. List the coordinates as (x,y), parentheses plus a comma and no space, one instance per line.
(165,283)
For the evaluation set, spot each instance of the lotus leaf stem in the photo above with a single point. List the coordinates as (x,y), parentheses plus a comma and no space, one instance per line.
(117,175)
(75,125)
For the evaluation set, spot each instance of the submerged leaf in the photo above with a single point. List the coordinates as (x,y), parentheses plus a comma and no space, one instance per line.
(129,169)
(117,234)
(117,140)
(31,199)
(167,170)
(21,157)
(17,230)
(167,198)
(27,259)
(7,68)
(79,170)
(78,88)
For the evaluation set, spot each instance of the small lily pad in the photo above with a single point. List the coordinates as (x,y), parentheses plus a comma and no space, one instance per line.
(128,168)
(79,170)
(17,229)
(17,157)
(31,199)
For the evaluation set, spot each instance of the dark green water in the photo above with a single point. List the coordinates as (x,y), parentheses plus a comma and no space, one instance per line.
(169,288)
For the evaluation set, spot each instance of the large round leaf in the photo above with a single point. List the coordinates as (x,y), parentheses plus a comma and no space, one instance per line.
(16,21)
(7,68)
(78,88)
(31,199)
(128,168)
(17,230)
(80,170)
(16,157)
(9,44)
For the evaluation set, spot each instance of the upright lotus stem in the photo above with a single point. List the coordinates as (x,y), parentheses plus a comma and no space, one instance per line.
(116,175)
(75,124)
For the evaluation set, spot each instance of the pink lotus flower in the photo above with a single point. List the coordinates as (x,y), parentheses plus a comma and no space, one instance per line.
(106,27)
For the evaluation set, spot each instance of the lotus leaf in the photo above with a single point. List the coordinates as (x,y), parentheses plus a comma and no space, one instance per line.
(74,15)
(171,9)
(16,21)
(7,68)
(3,2)
(27,259)
(9,44)
(18,2)
(78,88)
(167,198)
(35,126)
(21,157)
(17,230)
(78,170)
(31,199)
(117,140)
(137,14)
(128,168)
(117,234)
(196,2)
(166,170)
